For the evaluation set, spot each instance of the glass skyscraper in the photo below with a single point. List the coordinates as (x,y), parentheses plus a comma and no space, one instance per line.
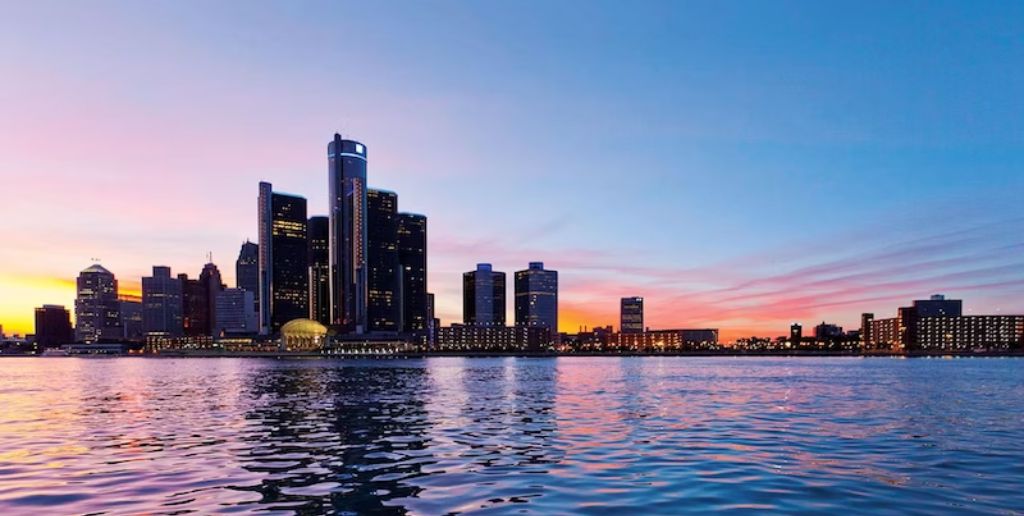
(483,296)
(537,297)
(346,165)
(283,259)
(412,257)
(247,271)
(384,309)
(162,303)
(97,309)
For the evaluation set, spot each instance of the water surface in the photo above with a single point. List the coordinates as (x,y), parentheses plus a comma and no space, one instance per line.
(511,435)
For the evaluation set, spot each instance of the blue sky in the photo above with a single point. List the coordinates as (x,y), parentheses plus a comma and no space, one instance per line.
(626,146)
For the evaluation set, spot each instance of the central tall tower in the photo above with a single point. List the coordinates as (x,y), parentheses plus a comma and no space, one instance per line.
(346,167)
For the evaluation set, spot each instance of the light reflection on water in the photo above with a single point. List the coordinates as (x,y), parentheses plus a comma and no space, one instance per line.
(442,435)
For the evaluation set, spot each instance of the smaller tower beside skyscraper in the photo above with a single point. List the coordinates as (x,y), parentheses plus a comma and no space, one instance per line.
(247,270)
(318,233)
(161,303)
(97,309)
(234,313)
(412,257)
(383,302)
(537,297)
(483,296)
(631,315)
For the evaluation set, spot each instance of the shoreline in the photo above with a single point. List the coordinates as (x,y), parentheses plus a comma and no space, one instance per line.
(419,355)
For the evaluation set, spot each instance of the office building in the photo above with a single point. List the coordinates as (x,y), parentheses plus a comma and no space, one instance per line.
(97,309)
(210,285)
(161,303)
(665,341)
(631,315)
(283,259)
(318,233)
(235,314)
(796,334)
(459,338)
(53,326)
(536,301)
(346,166)
(130,311)
(247,270)
(938,325)
(412,257)
(483,297)
(383,276)
(193,309)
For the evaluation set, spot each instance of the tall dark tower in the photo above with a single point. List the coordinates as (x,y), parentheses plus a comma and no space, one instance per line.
(97,311)
(631,315)
(346,167)
(284,267)
(412,257)
(537,297)
(383,307)
(483,296)
(211,286)
(318,231)
(247,270)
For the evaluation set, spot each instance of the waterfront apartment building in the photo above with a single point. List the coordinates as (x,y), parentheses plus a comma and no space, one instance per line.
(631,315)
(318,232)
(536,297)
(53,326)
(130,311)
(938,325)
(461,338)
(235,313)
(483,296)
(97,308)
(346,168)
(416,308)
(283,259)
(247,271)
(384,308)
(666,341)
(162,303)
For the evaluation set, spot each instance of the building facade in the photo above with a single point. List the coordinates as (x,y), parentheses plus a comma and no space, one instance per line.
(346,167)
(412,257)
(53,326)
(483,297)
(131,311)
(460,338)
(318,232)
(283,259)
(162,303)
(97,308)
(383,274)
(938,325)
(247,270)
(631,315)
(536,297)
(235,314)
(665,341)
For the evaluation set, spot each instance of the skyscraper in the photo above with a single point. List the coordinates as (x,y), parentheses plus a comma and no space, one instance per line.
(211,286)
(247,270)
(318,233)
(97,310)
(537,297)
(631,315)
(53,326)
(383,307)
(283,259)
(412,258)
(130,312)
(161,303)
(483,296)
(346,166)
(194,313)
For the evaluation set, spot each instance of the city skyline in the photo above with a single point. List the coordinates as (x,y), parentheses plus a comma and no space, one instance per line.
(739,210)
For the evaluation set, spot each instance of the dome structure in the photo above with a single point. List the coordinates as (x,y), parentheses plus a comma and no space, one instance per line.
(303,335)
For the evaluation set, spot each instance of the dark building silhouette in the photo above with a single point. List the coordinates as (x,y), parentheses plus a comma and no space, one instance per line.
(247,271)
(130,311)
(97,308)
(826,331)
(235,313)
(483,297)
(211,285)
(283,259)
(631,315)
(161,303)
(346,167)
(412,257)
(384,307)
(938,306)
(796,334)
(537,297)
(194,313)
(318,233)
(53,326)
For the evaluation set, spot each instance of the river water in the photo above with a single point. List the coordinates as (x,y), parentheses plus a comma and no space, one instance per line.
(511,435)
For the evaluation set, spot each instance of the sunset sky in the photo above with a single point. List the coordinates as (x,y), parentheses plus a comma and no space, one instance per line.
(739,165)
